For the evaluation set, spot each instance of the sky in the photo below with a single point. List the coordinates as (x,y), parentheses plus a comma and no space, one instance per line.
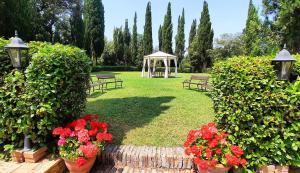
(227,16)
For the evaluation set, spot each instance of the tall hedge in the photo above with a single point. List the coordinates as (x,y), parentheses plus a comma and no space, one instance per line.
(51,93)
(261,114)
(56,85)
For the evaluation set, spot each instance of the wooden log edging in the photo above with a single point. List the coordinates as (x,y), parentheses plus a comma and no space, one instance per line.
(145,157)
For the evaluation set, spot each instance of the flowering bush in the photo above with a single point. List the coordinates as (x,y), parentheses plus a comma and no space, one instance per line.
(82,139)
(209,148)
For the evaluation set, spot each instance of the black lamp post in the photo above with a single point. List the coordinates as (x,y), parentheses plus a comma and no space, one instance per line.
(283,63)
(18,53)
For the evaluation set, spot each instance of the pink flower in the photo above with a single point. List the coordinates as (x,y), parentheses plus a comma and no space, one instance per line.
(73,134)
(83,136)
(61,142)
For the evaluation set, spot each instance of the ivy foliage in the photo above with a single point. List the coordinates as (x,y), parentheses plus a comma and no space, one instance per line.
(51,92)
(261,114)
(13,109)
(5,64)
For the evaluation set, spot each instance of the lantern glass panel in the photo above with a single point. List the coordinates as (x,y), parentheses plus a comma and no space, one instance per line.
(15,56)
(285,70)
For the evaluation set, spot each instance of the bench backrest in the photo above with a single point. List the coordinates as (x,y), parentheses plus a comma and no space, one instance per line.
(106,76)
(194,77)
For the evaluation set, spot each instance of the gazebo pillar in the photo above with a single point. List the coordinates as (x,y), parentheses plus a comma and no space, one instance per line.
(169,65)
(149,68)
(143,70)
(176,68)
(166,69)
(154,64)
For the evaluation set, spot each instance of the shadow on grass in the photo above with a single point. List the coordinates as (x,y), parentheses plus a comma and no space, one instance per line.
(125,114)
(96,94)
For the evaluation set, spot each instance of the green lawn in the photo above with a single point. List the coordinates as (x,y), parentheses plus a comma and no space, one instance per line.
(153,111)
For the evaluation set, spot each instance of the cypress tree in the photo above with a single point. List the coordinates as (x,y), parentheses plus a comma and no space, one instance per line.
(134,43)
(180,38)
(94,28)
(77,26)
(148,41)
(167,31)
(119,45)
(127,39)
(251,32)
(17,15)
(193,32)
(200,59)
(160,38)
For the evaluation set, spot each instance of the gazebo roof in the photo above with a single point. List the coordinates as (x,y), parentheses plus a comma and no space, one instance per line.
(160,55)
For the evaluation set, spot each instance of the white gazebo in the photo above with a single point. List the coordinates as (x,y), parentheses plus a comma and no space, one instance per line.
(159,56)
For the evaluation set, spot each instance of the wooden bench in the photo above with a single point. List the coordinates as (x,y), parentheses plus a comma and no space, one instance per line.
(93,84)
(200,81)
(109,78)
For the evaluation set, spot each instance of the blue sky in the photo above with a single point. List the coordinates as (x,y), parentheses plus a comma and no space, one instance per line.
(227,16)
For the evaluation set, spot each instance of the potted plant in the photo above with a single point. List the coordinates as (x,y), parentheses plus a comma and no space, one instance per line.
(212,152)
(80,141)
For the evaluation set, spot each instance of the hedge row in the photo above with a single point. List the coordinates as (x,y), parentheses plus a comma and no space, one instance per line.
(133,68)
(52,92)
(261,114)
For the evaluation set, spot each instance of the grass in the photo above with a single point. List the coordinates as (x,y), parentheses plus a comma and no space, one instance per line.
(157,111)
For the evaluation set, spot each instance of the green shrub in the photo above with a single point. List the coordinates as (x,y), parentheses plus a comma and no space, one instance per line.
(115,68)
(52,92)
(13,109)
(260,113)
(5,63)
(185,66)
(57,81)
(296,65)
(35,46)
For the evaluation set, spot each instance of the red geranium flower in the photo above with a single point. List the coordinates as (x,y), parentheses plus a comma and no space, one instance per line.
(57,131)
(81,161)
(216,148)
(237,150)
(87,117)
(243,162)
(203,164)
(219,151)
(232,160)
(196,150)
(82,138)
(89,150)
(103,126)
(208,153)
(80,124)
(104,137)
(213,143)
(93,132)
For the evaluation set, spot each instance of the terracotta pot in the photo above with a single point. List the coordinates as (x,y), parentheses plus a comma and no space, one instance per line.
(267,169)
(218,169)
(73,168)
(282,169)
